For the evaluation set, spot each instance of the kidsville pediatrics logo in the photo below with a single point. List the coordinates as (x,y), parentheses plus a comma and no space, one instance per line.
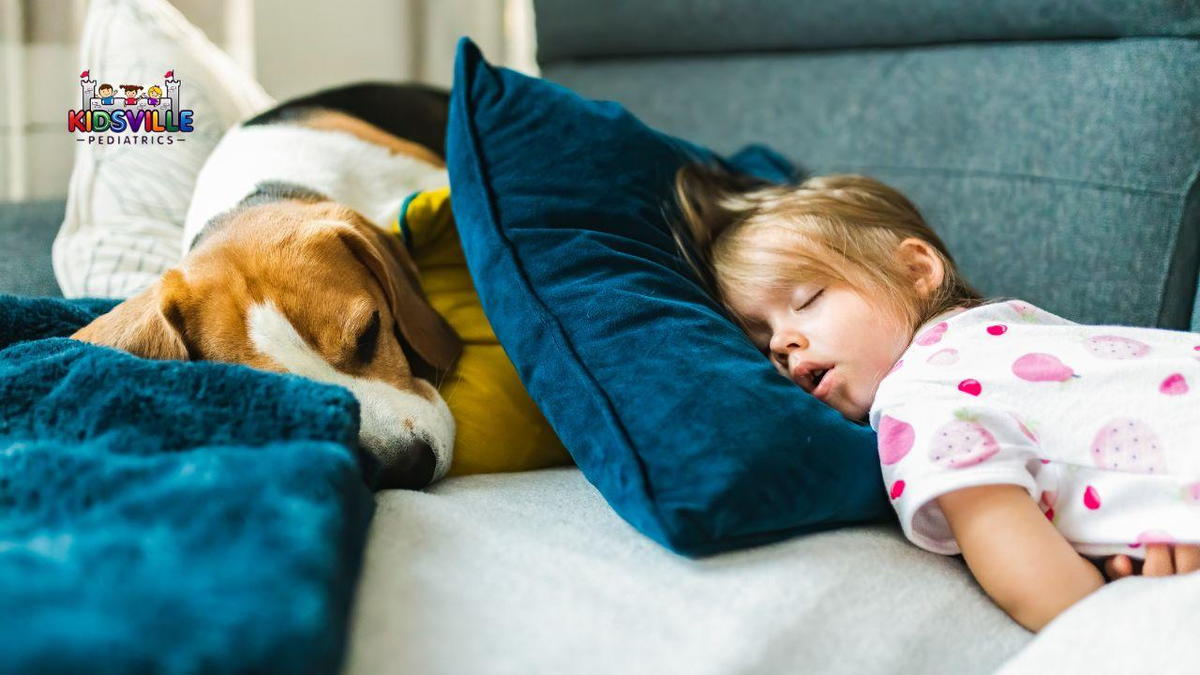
(138,115)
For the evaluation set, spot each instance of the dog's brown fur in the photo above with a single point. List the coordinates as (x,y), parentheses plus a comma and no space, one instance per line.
(324,266)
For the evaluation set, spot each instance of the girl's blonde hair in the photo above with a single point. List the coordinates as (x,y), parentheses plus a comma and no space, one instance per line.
(837,229)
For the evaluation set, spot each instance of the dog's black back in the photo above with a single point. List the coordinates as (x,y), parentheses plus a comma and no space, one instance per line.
(414,112)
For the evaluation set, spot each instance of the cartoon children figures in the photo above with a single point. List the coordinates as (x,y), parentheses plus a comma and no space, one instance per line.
(131,93)
(153,94)
(106,94)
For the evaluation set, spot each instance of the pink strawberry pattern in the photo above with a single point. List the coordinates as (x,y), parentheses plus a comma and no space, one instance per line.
(1037,367)
(975,357)
(933,335)
(1116,347)
(1175,385)
(1126,444)
(962,443)
(895,439)
(944,357)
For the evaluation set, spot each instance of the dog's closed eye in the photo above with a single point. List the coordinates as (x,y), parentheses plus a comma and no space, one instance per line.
(367,342)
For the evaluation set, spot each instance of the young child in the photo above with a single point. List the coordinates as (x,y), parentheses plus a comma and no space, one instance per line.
(1006,433)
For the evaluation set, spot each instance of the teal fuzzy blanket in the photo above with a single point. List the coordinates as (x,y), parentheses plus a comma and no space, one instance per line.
(164,516)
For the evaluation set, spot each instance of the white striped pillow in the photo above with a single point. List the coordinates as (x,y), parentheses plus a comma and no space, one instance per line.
(126,203)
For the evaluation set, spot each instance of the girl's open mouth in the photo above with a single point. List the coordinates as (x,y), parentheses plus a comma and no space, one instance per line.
(822,383)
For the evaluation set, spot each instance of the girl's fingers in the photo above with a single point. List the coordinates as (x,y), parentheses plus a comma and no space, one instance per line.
(1158,561)
(1187,558)
(1117,567)
(1161,560)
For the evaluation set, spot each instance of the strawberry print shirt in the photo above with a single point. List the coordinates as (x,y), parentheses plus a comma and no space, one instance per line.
(1100,424)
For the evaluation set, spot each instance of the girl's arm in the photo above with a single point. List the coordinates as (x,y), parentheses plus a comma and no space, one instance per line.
(1016,554)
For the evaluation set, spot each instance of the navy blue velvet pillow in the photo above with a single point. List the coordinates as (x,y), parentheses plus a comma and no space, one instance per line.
(562,206)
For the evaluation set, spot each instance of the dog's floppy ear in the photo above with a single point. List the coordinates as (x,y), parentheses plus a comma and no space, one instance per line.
(425,330)
(148,324)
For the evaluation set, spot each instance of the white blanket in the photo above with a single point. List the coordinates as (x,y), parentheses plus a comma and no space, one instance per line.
(1136,625)
(534,573)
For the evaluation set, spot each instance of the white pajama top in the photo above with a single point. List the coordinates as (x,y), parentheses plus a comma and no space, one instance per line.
(1100,424)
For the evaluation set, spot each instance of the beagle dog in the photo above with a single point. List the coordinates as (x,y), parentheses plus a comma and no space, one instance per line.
(288,266)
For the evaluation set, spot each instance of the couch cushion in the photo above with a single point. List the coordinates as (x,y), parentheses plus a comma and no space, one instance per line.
(570,588)
(691,435)
(569,29)
(1061,172)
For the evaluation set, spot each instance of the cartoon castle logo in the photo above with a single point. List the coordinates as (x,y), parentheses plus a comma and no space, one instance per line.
(135,109)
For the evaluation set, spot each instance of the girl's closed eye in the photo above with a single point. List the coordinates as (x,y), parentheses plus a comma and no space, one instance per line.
(810,300)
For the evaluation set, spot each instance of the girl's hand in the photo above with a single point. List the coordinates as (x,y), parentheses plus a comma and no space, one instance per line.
(1161,560)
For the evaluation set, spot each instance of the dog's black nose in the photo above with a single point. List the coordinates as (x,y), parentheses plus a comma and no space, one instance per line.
(412,469)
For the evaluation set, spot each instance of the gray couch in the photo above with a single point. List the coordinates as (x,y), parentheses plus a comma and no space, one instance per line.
(1055,144)
(26,233)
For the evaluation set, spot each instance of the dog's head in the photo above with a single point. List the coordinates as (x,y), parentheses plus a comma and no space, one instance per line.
(292,282)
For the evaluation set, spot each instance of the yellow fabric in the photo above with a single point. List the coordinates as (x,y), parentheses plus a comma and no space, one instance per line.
(498,426)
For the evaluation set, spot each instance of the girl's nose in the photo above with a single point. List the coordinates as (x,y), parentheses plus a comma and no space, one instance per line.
(784,344)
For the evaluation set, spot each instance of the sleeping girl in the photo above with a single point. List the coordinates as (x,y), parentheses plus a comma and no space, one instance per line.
(1030,444)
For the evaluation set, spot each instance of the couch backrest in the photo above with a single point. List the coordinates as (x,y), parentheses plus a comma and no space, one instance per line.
(1054,145)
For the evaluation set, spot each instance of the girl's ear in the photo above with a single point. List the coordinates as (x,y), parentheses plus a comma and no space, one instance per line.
(921,264)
